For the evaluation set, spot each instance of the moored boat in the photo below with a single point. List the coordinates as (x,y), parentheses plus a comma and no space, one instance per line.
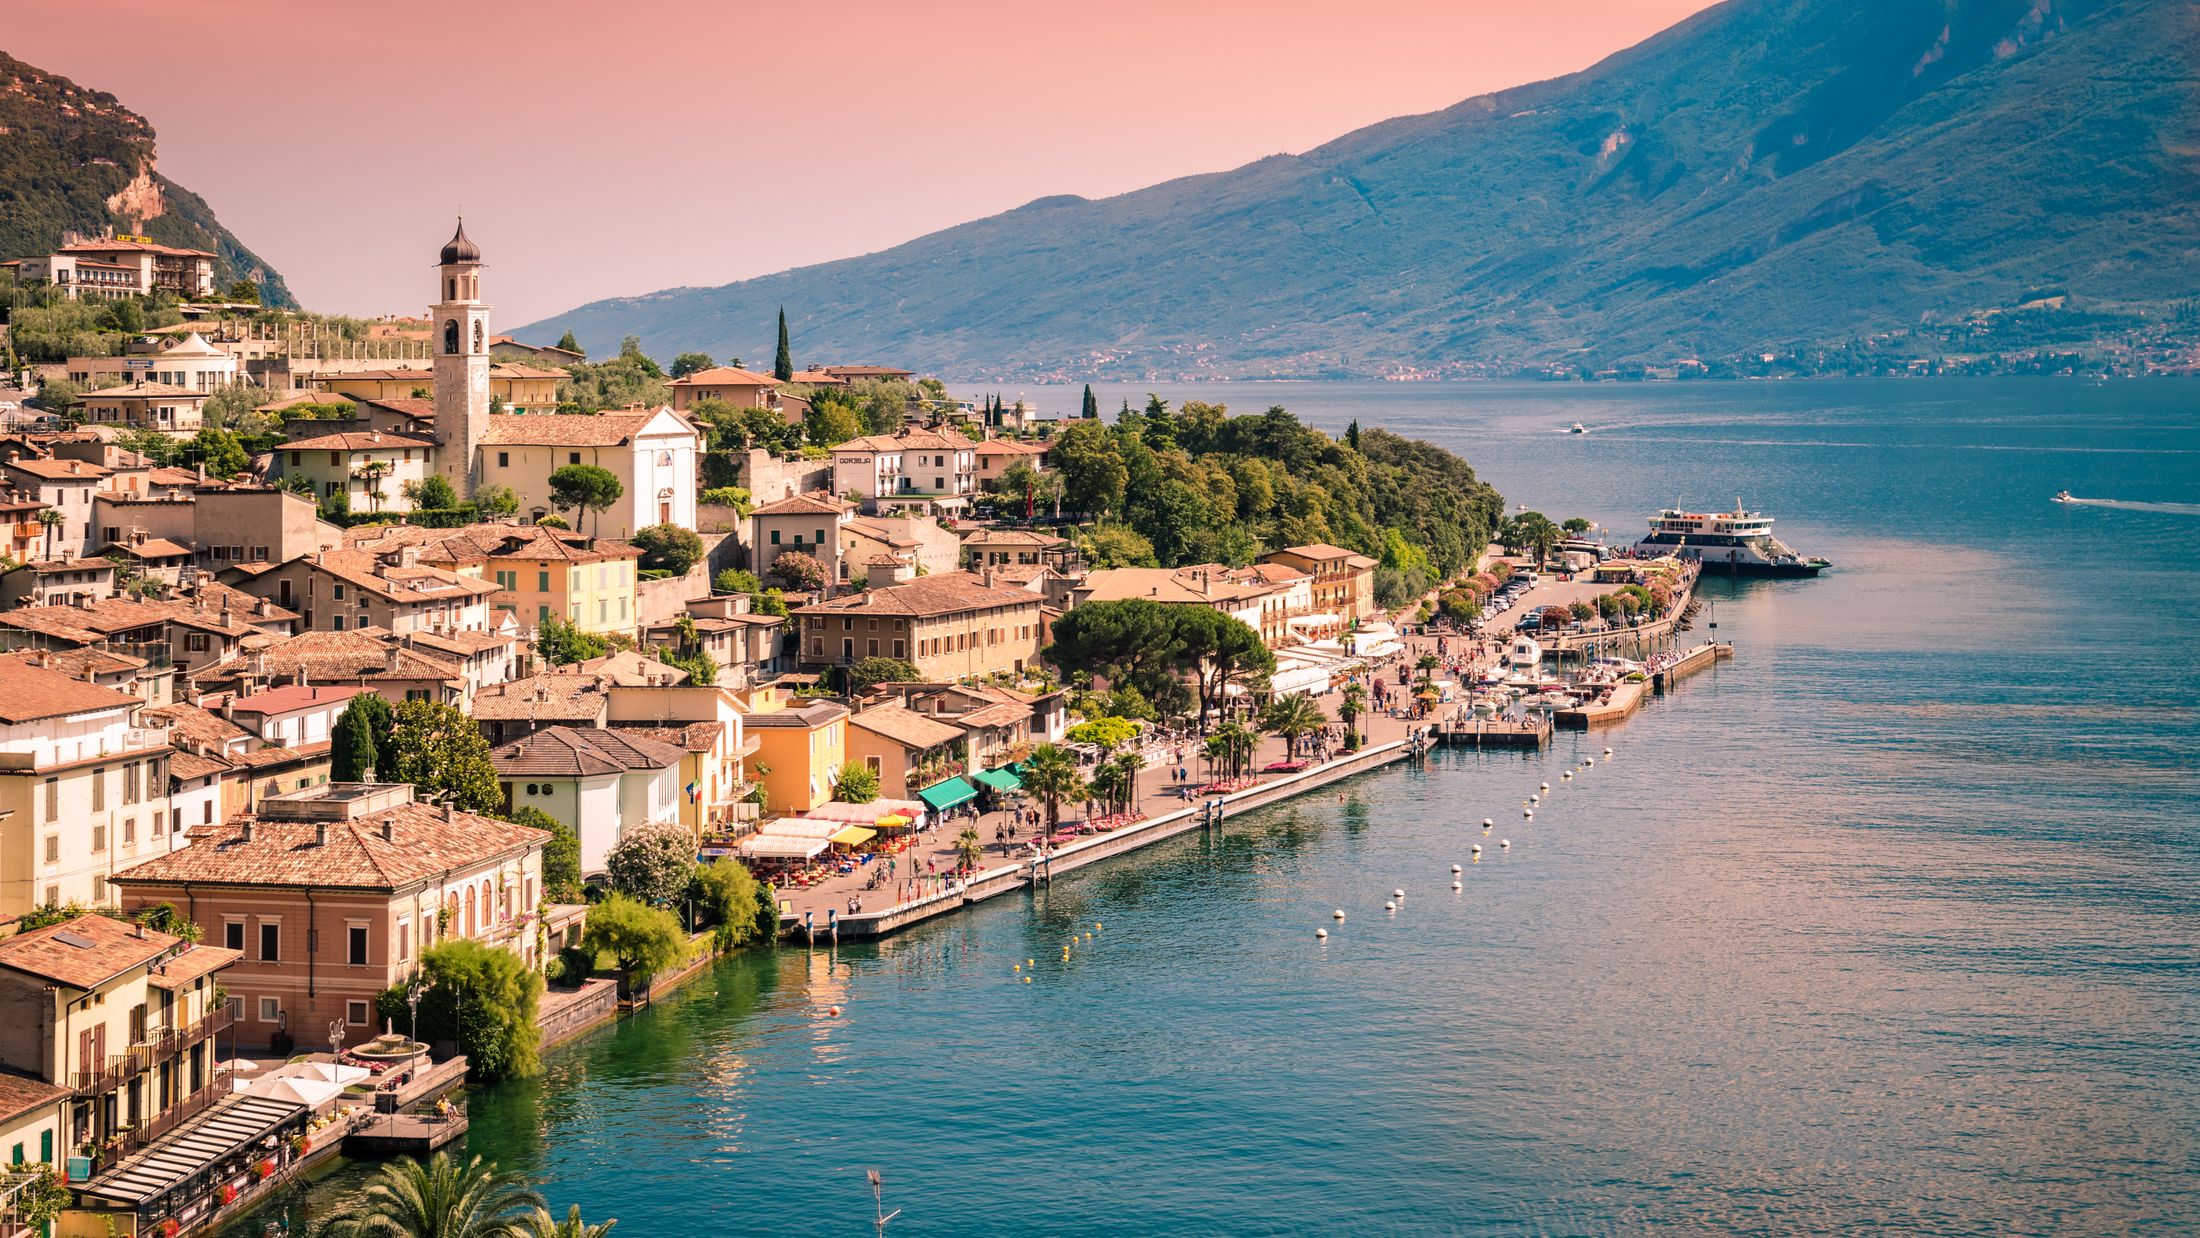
(1739,542)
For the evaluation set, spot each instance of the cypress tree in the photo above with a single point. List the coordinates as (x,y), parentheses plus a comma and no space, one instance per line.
(1091,409)
(783,361)
(568,343)
(1352,434)
(351,750)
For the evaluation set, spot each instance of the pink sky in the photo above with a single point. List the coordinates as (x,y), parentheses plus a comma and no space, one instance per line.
(602,149)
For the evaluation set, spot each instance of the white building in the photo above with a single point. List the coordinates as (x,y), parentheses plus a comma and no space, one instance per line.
(601,782)
(930,471)
(188,362)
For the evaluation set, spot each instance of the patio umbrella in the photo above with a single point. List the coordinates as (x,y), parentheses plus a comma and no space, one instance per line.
(892,821)
(241,1064)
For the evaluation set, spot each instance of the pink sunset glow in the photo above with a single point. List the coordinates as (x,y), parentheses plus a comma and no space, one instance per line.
(607,149)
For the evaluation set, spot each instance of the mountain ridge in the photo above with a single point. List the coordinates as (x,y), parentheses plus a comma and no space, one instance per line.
(74,158)
(1764,173)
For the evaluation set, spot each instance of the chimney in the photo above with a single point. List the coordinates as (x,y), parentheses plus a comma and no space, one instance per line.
(320,834)
(389,829)
(244,828)
(450,815)
(389,662)
(137,929)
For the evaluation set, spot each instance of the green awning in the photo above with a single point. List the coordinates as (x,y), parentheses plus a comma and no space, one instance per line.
(945,795)
(1000,780)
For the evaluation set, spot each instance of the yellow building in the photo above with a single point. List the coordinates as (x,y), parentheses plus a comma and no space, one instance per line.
(541,574)
(800,747)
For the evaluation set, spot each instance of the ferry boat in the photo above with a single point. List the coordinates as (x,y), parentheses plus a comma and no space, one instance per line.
(1739,542)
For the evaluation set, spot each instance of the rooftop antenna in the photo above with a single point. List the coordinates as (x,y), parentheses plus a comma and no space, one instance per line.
(878,1203)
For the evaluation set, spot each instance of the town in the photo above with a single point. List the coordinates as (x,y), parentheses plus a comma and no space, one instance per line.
(352,682)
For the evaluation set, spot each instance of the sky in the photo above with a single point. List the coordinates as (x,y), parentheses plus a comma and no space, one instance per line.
(610,149)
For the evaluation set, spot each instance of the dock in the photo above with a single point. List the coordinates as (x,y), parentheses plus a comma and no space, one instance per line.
(1533,731)
(403,1134)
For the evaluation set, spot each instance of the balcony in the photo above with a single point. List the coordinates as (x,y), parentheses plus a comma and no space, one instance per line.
(160,1044)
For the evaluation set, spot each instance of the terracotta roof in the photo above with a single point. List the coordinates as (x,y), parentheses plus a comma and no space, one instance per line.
(807,714)
(1010,447)
(1003,714)
(803,505)
(533,543)
(20,1095)
(1317,550)
(291,697)
(190,765)
(693,736)
(356,655)
(145,391)
(818,378)
(29,693)
(113,245)
(945,593)
(905,726)
(726,376)
(1012,537)
(577,752)
(914,438)
(400,375)
(152,548)
(555,696)
(296,398)
(513,369)
(397,583)
(407,406)
(360,440)
(199,729)
(464,644)
(85,952)
(891,532)
(193,963)
(169,475)
(1205,584)
(866,371)
(77,663)
(566,429)
(285,853)
(59,470)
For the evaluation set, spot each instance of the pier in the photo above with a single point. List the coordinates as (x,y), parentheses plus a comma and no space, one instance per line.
(403,1134)
(1533,731)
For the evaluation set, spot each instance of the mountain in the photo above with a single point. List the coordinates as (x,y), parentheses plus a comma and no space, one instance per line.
(1767,173)
(74,158)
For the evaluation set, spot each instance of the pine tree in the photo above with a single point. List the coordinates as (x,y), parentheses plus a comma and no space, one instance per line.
(568,343)
(1091,409)
(783,360)
(351,751)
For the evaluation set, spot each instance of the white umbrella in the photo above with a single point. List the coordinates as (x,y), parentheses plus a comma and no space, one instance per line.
(240,1064)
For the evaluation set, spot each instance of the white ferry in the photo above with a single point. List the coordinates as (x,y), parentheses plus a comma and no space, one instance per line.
(1739,542)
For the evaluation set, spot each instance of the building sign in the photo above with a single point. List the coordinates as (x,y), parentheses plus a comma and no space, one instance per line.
(137,363)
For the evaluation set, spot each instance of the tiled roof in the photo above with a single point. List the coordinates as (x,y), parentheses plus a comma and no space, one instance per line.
(360,440)
(905,726)
(808,714)
(566,429)
(912,439)
(817,378)
(20,1094)
(407,406)
(945,593)
(292,697)
(1317,550)
(85,952)
(145,391)
(152,548)
(514,369)
(555,696)
(77,663)
(357,655)
(193,963)
(29,693)
(1205,584)
(726,376)
(1012,537)
(532,543)
(59,470)
(803,505)
(577,752)
(199,729)
(464,644)
(189,765)
(1010,447)
(396,583)
(423,845)
(113,245)
(693,736)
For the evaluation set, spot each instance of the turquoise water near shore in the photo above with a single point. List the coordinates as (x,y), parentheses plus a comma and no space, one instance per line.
(1891,924)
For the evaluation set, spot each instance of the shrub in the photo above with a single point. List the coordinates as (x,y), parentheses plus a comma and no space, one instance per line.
(652,863)
(641,941)
(669,548)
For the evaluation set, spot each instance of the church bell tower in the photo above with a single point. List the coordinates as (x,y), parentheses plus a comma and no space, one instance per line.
(461,321)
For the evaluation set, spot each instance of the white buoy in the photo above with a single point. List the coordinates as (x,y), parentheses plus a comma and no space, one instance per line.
(1390,906)
(1456,886)
(1478,848)
(1607,752)
(1506,843)
(1397,893)
(1455,868)
(1535,799)
(1568,775)
(1528,813)
(1586,762)
(1322,933)
(1487,823)
(1546,786)
(1338,914)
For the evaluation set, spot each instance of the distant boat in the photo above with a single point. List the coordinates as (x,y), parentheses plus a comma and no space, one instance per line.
(2063,496)
(1578,428)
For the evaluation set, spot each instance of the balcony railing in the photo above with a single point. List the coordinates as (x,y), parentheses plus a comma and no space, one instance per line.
(160,1044)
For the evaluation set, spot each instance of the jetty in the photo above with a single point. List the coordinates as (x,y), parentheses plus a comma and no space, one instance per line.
(404,1134)
(1468,731)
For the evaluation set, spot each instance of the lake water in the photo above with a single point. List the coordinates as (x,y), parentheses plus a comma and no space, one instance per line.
(1891,924)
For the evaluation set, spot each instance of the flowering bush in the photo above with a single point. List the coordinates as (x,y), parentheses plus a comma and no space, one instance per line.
(229,1193)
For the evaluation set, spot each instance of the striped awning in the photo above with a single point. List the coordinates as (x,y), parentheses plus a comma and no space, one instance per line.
(193,1149)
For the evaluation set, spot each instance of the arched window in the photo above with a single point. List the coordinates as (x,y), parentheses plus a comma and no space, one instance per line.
(450,336)
(470,896)
(477,337)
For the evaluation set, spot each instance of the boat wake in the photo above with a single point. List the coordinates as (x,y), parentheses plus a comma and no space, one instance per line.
(2132,505)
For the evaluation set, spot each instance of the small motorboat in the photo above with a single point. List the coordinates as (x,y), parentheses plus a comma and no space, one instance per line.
(1577,428)
(2064,496)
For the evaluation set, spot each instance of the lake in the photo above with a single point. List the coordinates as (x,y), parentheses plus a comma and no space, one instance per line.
(1890,924)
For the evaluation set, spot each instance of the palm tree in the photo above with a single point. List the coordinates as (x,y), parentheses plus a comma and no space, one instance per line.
(372,473)
(969,849)
(52,520)
(543,1225)
(1127,767)
(1351,705)
(1051,775)
(441,1199)
(1234,745)
(1294,716)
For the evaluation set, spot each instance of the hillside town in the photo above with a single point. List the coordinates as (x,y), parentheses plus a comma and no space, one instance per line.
(430,667)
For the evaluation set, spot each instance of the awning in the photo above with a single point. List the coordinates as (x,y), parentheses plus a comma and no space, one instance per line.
(781,847)
(864,814)
(1000,779)
(800,827)
(192,1149)
(946,795)
(894,821)
(852,835)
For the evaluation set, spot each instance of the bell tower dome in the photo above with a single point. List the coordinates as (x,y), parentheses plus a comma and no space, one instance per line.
(461,341)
